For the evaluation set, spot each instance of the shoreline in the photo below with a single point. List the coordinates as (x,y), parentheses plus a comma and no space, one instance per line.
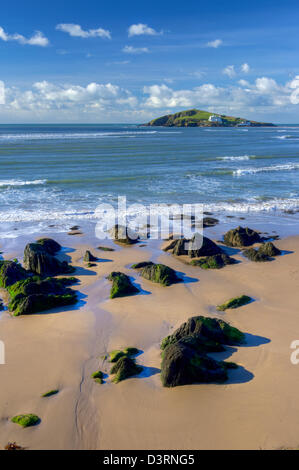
(61,350)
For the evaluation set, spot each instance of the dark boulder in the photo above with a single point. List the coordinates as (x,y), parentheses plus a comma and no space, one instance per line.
(121,285)
(213,262)
(210,222)
(184,356)
(88,257)
(159,273)
(38,260)
(241,236)
(123,235)
(196,247)
(204,328)
(142,264)
(51,246)
(11,272)
(182,365)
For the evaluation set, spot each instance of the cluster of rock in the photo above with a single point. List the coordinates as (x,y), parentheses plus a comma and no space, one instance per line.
(265,252)
(184,353)
(31,290)
(122,234)
(211,255)
(241,236)
(124,364)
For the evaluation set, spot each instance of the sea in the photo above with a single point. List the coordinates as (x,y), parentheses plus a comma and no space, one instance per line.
(55,176)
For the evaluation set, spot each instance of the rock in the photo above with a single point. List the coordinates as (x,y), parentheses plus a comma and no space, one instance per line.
(159,273)
(142,264)
(51,246)
(34,295)
(118,353)
(184,359)
(121,285)
(189,247)
(210,222)
(105,248)
(124,368)
(213,262)
(183,365)
(74,227)
(11,272)
(235,302)
(255,255)
(26,420)
(50,393)
(38,260)
(75,232)
(88,257)
(241,237)
(204,328)
(120,234)
(269,249)
(98,376)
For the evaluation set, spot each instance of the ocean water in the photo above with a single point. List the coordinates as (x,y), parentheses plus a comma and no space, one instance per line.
(59,174)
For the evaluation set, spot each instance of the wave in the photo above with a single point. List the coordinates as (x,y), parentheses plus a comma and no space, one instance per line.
(255,205)
(21,183)
(74,135)
(239,158)
(249,171)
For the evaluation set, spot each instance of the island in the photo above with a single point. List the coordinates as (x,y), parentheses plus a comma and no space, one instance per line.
(198,118)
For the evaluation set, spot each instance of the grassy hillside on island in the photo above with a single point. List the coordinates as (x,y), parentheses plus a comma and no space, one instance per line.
(198,118)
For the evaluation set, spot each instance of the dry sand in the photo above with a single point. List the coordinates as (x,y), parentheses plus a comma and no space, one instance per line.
(257,408)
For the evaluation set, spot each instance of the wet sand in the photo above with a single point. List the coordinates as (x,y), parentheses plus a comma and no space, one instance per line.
(256,409)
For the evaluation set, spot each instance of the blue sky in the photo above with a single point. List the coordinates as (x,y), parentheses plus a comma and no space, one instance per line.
(96,61)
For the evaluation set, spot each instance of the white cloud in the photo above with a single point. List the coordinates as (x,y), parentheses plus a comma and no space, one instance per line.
(135,50)
(76,30)
(229,71)
(294,85)
(244,83)
(38,39)
(245,68)
(216,43)
(142,29)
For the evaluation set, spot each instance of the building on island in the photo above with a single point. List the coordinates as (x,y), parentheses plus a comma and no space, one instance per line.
(214,118)
(244,123)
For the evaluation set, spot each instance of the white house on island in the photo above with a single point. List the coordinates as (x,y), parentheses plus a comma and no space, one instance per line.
(244,123)
(214,118)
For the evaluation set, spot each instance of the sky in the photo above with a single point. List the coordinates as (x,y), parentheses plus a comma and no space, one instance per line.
(127,62)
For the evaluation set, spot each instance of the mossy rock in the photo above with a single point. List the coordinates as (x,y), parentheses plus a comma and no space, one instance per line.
(235,302)
(206,328)
(121,285)
(122,234)
(184,353)
(26,420)
(241,236)
(256,255)
(88,257)
(98,376)
(39,260)
(118,353)
(213,262)
(160,274)
(50,393)
(124,368)
(34,295)
(105,248)
(269,249)
(50,245)
(183,365)
(142,264)
(11,272)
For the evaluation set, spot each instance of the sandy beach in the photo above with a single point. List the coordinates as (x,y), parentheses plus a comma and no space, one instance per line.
(256,409)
